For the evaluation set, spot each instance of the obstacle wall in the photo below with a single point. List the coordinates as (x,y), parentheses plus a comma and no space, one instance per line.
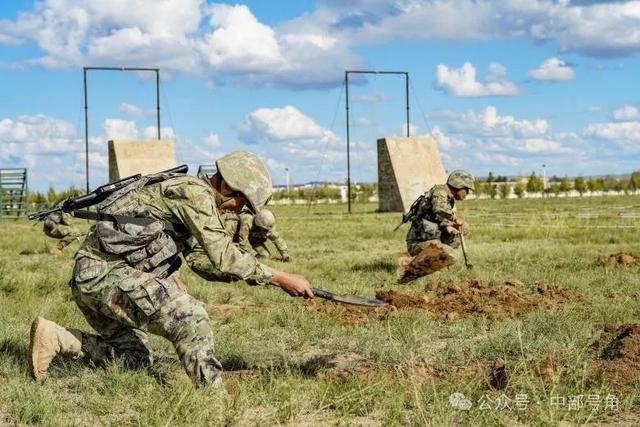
(407,167)
(131,157)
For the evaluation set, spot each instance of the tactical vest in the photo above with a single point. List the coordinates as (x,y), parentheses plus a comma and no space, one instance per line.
(149,248)
(424,225)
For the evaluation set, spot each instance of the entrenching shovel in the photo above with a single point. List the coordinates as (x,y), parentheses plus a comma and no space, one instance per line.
(349,299)
(464,252)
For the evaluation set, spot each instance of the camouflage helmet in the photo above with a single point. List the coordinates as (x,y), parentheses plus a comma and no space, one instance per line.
(244,172)
(265,219)
(461,179)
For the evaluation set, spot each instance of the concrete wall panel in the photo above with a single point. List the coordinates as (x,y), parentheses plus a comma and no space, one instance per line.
(407,167)
(131,157)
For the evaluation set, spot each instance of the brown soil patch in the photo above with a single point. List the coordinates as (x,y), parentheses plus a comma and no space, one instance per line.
(474,296)
(400,300)
(470,297)
(619,348)
(347,314)
(620,259)
(428,261)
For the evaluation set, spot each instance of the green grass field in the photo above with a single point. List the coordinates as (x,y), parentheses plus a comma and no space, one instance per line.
(295,363)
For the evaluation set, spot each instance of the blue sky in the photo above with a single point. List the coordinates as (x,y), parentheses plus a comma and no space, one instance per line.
(503,86)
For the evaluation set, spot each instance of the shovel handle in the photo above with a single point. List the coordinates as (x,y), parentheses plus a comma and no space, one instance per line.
(322,294)
(464,250)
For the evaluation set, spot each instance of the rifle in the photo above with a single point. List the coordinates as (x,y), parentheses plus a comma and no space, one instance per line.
(101,193)
(411,213)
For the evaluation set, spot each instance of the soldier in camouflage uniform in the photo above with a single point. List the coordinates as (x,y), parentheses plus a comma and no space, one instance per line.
(57,225)
(125,280)
(436,220)
(251,232)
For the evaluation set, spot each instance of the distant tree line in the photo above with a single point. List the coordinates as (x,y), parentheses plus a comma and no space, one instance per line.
(39,200)
(359,193)
(495,188)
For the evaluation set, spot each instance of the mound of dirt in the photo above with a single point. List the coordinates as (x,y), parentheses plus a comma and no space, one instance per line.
(431,259)
(620,259)
(619,348)
(400,300)
(474,296)
(470,297)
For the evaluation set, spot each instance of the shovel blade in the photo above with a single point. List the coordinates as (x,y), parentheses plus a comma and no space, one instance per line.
(349,299)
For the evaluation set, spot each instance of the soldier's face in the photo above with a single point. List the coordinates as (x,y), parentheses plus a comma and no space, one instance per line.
(460,193)
(227,191)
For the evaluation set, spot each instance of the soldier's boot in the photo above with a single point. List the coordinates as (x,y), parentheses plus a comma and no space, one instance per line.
(49,339)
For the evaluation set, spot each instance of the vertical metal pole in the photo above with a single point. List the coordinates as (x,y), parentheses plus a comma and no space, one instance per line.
(158,100)
(288,185)
(346,83)
(406,92)
(86,131)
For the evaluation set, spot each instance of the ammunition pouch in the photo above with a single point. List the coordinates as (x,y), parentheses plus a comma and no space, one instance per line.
(429,230)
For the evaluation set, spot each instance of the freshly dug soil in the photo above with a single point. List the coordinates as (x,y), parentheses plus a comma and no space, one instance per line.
(476,297)
(431,259)
(400,300)
(619,352)
(620,259)
(470,297)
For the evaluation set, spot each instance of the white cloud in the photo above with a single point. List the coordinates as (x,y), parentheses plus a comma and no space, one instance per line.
(119,129)
(497,72)
(484,140)
(212,141)
(553,69)
(447,142)
(489,124)
(239,42)
(462,81)
(311,50)
(626,113)
(621,131)
(292,138)
(134,110)
(151,132)
(282,125)
(491,160)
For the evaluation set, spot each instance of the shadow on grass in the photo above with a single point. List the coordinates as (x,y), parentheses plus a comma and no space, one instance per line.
(16,351)
(376,265)
(336,364)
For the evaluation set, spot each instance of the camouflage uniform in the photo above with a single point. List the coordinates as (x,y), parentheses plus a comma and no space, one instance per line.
(124,276)
(252,238)
(435,213)
(57,225)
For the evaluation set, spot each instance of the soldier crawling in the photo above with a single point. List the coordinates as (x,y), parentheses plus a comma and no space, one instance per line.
(434,219)
(125,280)
(251,232)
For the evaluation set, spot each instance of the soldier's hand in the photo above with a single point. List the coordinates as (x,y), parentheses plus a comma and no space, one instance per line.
(459,222)
(285,258)
(293,284)
(452,230)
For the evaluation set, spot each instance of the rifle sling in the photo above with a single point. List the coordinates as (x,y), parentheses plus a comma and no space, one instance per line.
(121,219)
